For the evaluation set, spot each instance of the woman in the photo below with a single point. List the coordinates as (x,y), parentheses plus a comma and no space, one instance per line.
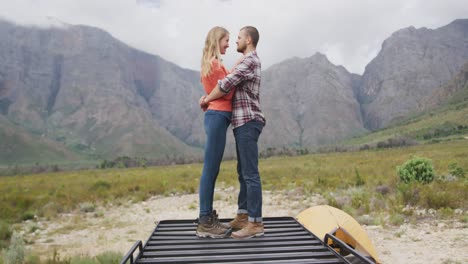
(217,120)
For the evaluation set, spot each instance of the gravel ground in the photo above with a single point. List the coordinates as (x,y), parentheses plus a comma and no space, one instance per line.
(117,227)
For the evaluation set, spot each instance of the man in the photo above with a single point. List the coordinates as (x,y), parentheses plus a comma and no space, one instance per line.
(247,122)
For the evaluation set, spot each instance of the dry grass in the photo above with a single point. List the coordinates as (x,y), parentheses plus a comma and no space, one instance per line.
(360,182)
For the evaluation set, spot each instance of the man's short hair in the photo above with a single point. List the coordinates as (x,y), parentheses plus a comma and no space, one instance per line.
(253,34)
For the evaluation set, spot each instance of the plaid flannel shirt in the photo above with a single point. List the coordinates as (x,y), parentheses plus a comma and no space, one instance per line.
(246,80)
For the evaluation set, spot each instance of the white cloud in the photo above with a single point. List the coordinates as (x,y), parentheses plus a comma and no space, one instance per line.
(348,32)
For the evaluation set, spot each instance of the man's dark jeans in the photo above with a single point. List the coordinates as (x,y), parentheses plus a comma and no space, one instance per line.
(250,194)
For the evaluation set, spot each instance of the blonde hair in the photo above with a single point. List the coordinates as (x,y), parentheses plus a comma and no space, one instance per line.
(211,49)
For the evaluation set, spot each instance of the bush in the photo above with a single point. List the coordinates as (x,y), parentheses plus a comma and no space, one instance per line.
(32,259)
(456,171)
(416,169)
(15,252)
(56,259)
(5,233)
(100,185)
(359,181)
(439,198)
(87,207)
(82,260)
(103,258)
(410,193)
(396,142)
(397,219)
(124,162)
(109,257)
(28,215)
(361,200)
(446,212)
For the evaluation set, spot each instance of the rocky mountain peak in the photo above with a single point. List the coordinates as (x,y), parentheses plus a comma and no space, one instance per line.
(412,63)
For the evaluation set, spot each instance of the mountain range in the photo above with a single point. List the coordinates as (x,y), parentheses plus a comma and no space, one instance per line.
(75,92)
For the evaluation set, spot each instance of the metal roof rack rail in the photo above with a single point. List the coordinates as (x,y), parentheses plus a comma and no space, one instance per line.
(285,241)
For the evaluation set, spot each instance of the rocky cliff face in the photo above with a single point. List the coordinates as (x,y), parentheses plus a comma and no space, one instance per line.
(80,86)
(456,90)
(309,102)
(412,64)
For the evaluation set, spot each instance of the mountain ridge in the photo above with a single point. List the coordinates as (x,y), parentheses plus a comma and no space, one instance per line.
(411,64)
(98,97)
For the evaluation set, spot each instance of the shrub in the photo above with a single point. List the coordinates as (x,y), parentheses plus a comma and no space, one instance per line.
(438,198)
(15,252)
(32,259)
(124,162)
(359,181)
(361,200)
(416,169)
(446,212)
(397,219)
(87,207)
(456,171)
(28,215)
(56,258)
(435,195)
(109,257)
(100,185)
(82,260)
(5,233)
(33,228)
(103,258)
(396,142)
(331,200)
(409,193)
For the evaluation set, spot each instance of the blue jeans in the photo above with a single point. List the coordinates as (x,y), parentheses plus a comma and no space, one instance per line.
(216,124)
(250,194)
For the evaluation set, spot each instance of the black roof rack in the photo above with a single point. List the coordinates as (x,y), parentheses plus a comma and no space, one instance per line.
(285,241)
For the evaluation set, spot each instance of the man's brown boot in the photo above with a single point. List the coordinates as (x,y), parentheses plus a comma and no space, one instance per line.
(252,229)
(239,222)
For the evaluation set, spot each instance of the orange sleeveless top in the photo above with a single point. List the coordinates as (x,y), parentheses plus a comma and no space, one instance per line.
(218,72)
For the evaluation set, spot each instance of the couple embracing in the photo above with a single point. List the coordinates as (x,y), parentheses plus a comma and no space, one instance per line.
(232,97)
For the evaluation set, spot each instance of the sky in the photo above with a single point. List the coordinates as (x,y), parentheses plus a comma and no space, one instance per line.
(349,32)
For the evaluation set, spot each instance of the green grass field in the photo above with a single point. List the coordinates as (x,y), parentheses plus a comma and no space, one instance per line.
(355,177)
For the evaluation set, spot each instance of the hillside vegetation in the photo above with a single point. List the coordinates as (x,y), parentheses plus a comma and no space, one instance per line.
(446,122)
(18,147)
